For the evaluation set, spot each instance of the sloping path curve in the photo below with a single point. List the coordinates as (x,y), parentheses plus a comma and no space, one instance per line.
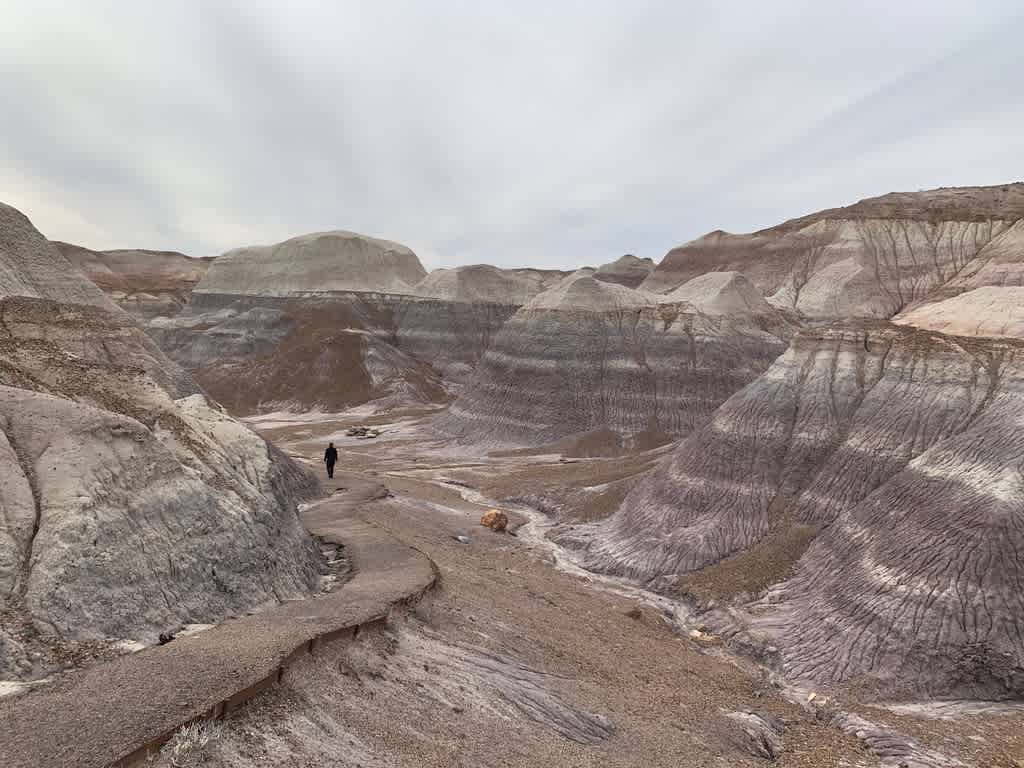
(110,713)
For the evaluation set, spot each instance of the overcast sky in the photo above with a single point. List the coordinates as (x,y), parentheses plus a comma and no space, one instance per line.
(528,133)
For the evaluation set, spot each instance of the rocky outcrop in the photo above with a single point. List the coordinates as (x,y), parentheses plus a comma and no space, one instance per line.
(872,259)
(131,504)
(875,466)
(591,356)
(145,283)
(626,270)
(315,264)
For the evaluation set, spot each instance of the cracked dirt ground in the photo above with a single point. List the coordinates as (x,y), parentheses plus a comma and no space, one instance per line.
(512,662)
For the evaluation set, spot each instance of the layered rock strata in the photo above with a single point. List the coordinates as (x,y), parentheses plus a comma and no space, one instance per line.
(590,356)
(872,259)
(131,504)
(315,264)
(145,283)
(876,466)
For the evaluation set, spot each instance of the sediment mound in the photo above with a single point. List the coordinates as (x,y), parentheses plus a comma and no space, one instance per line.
(131,504)
(319,263)
(872,259)
(989,311)
(309,356)
(722,293)
(266,354)
(34,269)
(589,356)
(145,283)
(626,270)
(484,283)
(890,452)
(391,349)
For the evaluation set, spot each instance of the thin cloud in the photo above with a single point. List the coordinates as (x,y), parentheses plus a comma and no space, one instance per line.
(517,134)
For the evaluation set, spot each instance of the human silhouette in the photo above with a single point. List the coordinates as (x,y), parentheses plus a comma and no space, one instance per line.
(330,459)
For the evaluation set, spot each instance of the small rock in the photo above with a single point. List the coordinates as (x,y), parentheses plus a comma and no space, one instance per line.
(495,519)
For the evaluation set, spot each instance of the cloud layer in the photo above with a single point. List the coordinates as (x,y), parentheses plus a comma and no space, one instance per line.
(545,134)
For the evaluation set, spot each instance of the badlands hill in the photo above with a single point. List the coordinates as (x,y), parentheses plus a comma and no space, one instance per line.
(627,270)
(875,258)
(335,333)
(131,505)
(145,283)
(318,263)
(590,358)
(484,283)
(872,470)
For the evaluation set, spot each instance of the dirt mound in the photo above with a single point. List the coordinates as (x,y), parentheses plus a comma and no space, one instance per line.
(582,292)
(626,270)
(483,283)
(313,264)
(722,293)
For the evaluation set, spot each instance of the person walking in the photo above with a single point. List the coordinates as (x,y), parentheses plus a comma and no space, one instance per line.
(330,459)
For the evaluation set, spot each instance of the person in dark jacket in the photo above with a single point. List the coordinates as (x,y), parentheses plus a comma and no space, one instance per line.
(330,459)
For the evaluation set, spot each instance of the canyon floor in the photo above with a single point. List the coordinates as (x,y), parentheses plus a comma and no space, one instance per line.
(520,658)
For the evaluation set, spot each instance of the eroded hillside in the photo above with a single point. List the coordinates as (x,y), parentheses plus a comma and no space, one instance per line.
(132,505)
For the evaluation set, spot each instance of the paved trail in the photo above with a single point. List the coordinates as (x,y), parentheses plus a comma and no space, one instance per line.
(96,716)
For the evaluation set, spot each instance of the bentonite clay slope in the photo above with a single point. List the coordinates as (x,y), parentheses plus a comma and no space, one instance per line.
(591,356)
(95,717)
(30,266)
(316,354)
(626,270)
(318,263)
(146,283)
(487,284)
(722,293)
(258,353)
(131,504)
(989,311)
(904,445)
(871,259)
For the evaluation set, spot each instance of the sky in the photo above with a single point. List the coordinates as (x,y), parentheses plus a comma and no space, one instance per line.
(547,134)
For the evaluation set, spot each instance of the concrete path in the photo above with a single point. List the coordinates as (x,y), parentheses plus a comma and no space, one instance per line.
(102,715)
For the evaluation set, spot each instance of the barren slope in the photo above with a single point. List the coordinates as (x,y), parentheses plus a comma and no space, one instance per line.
(626,270)
(131,505)
(318,263)
(904,447)
(871,259)
(145,283)
(591,356)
